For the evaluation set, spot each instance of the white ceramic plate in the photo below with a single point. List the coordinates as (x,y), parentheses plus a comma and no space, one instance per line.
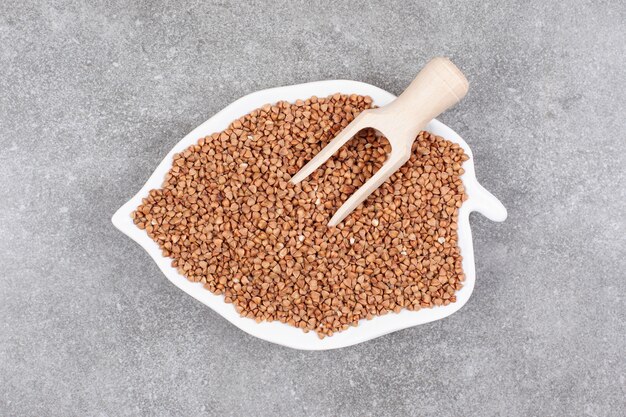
(479,200)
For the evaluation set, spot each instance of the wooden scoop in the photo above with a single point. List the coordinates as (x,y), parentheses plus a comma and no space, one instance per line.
(438,86)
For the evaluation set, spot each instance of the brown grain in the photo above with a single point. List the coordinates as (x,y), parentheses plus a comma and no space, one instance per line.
(230,219)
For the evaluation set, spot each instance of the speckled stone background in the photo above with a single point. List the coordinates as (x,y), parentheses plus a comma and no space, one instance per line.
(93,94)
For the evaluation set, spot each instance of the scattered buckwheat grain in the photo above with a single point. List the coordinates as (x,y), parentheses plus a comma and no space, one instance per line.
(230,219)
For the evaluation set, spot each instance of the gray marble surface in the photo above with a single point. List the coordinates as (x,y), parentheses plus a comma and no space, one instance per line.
(93,94)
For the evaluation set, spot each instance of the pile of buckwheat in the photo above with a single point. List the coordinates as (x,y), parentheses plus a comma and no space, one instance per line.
(229,218)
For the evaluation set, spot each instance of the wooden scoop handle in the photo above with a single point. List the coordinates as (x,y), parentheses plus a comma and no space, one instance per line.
(438,86)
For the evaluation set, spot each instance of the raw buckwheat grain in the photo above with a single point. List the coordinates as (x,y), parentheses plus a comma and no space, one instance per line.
(229,218)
